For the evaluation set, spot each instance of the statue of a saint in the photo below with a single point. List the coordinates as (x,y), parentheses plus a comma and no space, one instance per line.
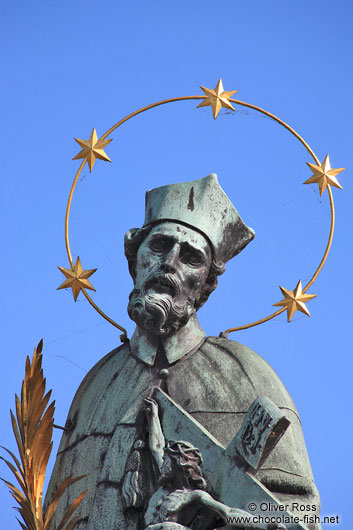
(190,231)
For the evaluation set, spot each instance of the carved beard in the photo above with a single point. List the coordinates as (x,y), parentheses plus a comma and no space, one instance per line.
(155,306)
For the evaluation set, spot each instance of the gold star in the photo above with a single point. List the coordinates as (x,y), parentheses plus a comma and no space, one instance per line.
(77,279)
(295,300)
(217,98)
(92,149)
(324,175)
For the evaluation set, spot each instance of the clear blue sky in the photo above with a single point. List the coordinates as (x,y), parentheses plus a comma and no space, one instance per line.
(70,66)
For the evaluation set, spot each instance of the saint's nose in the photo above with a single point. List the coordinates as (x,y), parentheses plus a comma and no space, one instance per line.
(170,263)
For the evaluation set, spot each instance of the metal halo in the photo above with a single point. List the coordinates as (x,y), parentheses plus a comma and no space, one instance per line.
(123,337)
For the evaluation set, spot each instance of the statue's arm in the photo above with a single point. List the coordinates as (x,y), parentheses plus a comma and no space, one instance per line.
(156,437)
(167,525)
(233,517)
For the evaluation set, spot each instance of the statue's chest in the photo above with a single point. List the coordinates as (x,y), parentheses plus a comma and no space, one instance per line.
(216,396)
(164,506)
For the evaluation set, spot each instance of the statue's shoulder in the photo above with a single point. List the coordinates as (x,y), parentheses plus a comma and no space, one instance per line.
(234,350)
(239,361)
(231,346)
(101,373)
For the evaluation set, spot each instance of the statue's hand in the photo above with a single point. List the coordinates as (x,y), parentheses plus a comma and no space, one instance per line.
(151,407)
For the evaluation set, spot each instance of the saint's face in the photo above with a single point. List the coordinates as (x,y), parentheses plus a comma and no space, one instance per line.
(176,251)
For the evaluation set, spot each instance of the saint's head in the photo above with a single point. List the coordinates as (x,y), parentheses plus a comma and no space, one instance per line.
(191,230)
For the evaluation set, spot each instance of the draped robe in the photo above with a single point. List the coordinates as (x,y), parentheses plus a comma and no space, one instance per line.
(216,384)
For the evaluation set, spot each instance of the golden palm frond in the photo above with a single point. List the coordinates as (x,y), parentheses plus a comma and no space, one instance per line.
(33,428)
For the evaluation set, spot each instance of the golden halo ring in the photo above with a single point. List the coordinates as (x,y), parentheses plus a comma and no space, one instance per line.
(123,337)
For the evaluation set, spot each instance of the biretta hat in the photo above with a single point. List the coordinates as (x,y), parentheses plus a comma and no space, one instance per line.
(202,205)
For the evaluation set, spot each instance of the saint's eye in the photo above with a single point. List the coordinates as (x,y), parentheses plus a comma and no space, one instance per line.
(194,259)
(159,244)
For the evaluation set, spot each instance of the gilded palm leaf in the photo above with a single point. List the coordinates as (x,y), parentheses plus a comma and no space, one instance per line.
(33,427)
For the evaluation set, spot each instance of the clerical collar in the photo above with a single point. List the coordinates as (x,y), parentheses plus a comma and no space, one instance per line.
(145,346)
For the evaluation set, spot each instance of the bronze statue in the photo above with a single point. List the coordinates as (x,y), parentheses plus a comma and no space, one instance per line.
(181,501)
(190,231)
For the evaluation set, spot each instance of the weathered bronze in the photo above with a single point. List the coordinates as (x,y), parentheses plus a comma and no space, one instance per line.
(205,387)
(324,176)
(182,499)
